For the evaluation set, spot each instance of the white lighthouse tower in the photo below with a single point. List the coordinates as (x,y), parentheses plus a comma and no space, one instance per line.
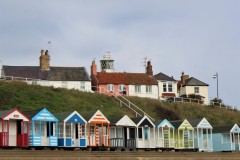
(107,64)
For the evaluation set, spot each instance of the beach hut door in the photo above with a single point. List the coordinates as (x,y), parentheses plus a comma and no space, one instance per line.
(12,133)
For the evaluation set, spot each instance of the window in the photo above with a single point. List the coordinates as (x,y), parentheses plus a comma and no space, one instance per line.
(91,130)
(164,87)
(196,90)
(60,131)
(137,88)
(149,89)
(110,87)
(168,87)
(82,86)
(68,130)
(121,87)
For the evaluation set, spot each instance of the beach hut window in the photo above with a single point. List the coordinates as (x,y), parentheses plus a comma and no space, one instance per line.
(37,128)
(82,133)
(139,132)
(68,130)
(60,131)
(112,132)
(146,132)
(120,132)
(226,138)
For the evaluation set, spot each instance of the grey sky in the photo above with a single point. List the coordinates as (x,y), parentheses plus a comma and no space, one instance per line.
(198,37)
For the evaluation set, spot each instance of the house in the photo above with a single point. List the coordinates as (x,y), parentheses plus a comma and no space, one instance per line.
(192,87)
(145,137)
(167,86)
(46,75)
(13,128)
(202,134)
(226,138)
(43,131)
(122,133)
(165,135)
(98,129)
(109,82)
(183,134)
(72,130)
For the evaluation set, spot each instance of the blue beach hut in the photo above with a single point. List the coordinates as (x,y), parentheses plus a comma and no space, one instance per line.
(226,138)
(71,130)
(164,135)
(43,128)
(202,134)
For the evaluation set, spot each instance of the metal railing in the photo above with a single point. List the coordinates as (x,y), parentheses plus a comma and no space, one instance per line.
(123,100)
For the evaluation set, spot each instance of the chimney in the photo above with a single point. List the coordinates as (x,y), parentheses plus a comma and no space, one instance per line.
(93,68)
(149,69)
(44,60)
(184,78)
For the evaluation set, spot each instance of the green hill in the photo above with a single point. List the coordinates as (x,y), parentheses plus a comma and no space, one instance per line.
(32,97)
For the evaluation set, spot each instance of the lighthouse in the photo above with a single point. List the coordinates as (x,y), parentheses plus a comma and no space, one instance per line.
(107,63)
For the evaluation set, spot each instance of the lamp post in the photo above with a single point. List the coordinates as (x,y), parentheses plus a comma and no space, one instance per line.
(216,76)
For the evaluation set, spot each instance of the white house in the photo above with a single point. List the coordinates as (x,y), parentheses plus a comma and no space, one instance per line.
(167,86)
(46,75)
(192,86)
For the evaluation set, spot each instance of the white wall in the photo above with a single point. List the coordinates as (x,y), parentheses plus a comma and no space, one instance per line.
(143,92)
(160,88)
(65,84)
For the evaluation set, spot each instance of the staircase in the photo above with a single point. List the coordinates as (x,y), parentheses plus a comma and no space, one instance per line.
(127,103)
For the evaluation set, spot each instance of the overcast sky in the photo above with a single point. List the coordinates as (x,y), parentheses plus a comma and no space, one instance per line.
(199,37)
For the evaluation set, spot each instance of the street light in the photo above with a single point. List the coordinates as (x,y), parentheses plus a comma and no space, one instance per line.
(216,76)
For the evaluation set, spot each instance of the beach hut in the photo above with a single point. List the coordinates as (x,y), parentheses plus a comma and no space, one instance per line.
(183,134)
(122,133)
(98,129)
(202,134)
(71,129)
(145,138)
(13,128)
(164,135)
(43,129)
(226,138)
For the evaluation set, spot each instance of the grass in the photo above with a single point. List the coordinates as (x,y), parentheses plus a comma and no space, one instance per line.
(31,97)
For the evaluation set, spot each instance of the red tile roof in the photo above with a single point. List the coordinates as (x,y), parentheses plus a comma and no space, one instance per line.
(125,78)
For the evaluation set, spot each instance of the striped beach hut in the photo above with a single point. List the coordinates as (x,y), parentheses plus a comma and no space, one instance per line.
(183,134)
(43,129)
(202,134)
(98,129)
(71,130)
(226,138)
(13,128)
(164,135)
(122,133)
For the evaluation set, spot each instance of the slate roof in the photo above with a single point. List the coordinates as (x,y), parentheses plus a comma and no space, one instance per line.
(176,123)
(5,112)
(195,122)
(194,82)
(114,120)
(125,78)
(62,116)
(222,129)
(54,74)
(164,77)
(31,114)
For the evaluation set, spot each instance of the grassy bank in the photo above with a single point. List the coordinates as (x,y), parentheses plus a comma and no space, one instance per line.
(29,97)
